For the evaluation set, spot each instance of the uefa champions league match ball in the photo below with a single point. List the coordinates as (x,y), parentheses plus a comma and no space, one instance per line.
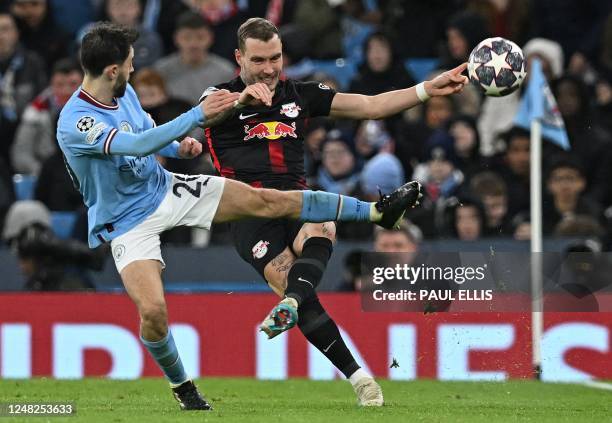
(497,67)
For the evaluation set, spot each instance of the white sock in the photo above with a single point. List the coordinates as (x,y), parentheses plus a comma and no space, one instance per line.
(359,374)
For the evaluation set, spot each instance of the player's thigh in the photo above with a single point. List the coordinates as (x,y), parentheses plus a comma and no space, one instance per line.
(143,283)
(137,256)
(194,200)
(310,230)
(277,271)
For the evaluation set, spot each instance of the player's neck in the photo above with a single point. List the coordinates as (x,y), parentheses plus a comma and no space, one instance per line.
(98,89)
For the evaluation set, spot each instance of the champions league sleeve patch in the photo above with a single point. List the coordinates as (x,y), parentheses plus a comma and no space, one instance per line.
(208,91)
(85,123)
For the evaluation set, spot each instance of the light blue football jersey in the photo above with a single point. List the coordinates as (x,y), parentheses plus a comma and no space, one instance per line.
(108,152)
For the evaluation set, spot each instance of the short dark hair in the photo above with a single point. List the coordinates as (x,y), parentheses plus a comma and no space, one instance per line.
(257,28)
(190,20)
(66,65)
(488,183)
(106,44)
(565,161)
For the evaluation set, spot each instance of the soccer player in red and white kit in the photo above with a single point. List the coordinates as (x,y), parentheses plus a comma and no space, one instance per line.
(262,144)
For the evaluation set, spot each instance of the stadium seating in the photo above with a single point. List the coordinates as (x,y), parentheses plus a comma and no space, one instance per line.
(24,186)
(62,223)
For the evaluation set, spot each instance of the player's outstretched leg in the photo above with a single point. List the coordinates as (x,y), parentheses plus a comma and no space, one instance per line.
(240,201)
(142,281)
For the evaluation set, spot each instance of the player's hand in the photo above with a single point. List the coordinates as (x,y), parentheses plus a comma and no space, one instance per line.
(218,102)
(256,94)
(189,148)
(449,82)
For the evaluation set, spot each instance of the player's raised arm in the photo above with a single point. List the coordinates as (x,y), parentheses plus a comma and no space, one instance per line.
(357,106)
(152,140)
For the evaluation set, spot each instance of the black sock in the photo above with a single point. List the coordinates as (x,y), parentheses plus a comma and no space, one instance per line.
(307,271)
(322,332)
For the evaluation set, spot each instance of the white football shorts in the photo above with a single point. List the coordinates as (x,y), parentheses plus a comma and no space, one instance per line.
(192,200)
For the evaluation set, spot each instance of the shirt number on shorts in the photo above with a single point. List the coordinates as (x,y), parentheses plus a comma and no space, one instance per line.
(193,191)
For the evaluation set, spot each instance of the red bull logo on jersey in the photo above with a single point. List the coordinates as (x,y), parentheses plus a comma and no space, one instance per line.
(270,130)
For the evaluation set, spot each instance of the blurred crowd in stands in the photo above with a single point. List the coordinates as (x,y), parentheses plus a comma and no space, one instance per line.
(473,163)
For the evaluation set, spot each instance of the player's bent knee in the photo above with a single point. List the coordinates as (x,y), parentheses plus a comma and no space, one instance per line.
(154,315)
(314,230)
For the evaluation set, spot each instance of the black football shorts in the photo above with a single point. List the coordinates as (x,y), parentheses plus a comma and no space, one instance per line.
(258,241)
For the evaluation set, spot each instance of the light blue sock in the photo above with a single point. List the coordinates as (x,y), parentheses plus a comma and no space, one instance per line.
(167,357)
(321,206)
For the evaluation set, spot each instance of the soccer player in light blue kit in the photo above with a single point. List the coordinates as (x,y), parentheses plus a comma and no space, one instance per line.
(109,142)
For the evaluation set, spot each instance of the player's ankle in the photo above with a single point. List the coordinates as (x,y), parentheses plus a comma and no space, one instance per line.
(375,215)
(358,375)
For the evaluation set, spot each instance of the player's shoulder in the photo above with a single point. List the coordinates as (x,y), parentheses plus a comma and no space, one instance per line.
(233,86)
(78,119)
(307,91)
(315,85)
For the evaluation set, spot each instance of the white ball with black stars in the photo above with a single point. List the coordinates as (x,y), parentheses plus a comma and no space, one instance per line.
(497,66)
(85,123)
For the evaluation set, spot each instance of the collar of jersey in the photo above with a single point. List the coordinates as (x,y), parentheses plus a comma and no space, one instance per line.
(84,95)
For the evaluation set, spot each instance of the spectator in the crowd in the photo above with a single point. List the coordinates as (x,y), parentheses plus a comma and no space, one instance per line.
(491,190)
(439,174)
(441,181)
(466,218)
(581,226)
(148,48)
(381,174)
(39,32)
(23,77)
(160,16)
(316,133)
(463,32)
(405,240)
(418,20)
(566,183)
(589,140)
(411,136)
(339,172)
(35,137)
(513,167)
(382,70)
(193,68)
(224,17)
(72,15)
(508,19)
(371,138)
(467,144)
(497,114)
(314,32)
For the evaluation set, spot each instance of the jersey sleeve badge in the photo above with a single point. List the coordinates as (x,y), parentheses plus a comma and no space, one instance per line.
(85,123)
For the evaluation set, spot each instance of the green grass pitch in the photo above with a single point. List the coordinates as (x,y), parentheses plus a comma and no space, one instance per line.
(293,401)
